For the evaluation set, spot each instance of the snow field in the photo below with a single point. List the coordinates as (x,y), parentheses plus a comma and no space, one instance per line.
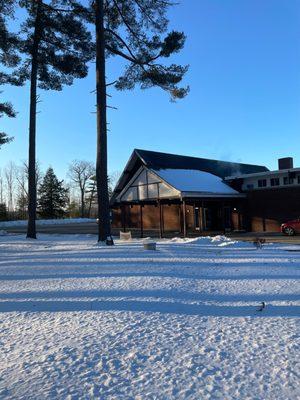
(40,222)
(80,321)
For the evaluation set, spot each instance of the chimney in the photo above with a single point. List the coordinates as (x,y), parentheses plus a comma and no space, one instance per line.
(286,163)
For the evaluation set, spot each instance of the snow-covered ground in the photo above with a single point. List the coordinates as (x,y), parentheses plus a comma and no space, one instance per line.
(40,222)
(79,321)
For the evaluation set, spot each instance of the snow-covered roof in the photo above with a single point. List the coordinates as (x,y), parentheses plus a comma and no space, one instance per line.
(158,161)
(187,180)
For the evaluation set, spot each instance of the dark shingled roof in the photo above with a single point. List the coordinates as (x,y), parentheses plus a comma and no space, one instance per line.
(156,161)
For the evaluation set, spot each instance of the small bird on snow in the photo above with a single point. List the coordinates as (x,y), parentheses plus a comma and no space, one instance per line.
(263,305)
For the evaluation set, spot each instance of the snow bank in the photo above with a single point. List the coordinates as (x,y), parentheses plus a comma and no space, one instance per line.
(217,241)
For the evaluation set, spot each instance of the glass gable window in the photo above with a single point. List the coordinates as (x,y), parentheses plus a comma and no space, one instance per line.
(166,191)
(141,179)
(143,192)
(153,178)
(148,186)
(130,195)
(153,191)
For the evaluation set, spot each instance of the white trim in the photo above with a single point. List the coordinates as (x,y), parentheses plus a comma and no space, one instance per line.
(262,174)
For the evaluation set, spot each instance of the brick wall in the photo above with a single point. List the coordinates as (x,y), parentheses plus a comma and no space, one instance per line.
(268,209)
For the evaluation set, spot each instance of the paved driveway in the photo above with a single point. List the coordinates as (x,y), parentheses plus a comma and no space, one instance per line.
(91,228)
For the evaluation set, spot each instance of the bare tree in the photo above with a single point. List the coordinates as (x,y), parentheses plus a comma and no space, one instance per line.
(21,178)
(80,172)
(91,193)
(113,180)
(21,175)
(22,192)
(9,174)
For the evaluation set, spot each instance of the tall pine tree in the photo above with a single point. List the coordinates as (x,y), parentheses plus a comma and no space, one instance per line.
(136,31)
(3,136)
(8,58)
(56,48)
(53,197)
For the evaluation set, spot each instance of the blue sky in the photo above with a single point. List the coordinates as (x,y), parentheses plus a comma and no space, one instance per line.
(244,103)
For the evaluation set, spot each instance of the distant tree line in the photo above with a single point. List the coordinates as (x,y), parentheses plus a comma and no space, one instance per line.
(75,197)
(55,44)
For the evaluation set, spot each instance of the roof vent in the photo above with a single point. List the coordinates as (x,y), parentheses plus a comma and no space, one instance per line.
(286,163)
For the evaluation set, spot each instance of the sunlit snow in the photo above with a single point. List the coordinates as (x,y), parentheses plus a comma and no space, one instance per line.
(79,321)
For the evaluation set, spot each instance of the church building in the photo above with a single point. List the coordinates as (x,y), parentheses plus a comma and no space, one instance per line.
(160,194)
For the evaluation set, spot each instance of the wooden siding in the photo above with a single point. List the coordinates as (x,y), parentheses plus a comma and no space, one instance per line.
(117,218)
(129,216)
(226,216)
(151,217)
(171,217)
(133,216)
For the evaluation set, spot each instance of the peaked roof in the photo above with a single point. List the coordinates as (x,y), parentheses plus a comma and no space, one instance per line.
(159,161)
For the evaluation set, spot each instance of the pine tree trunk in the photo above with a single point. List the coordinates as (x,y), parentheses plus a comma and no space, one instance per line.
(31,227)
(82,203)
(101,162)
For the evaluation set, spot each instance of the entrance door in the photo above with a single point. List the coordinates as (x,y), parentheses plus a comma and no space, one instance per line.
(207,216)
(213,218)
(227,218)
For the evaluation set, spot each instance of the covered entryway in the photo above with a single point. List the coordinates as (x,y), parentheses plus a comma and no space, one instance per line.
(191,217)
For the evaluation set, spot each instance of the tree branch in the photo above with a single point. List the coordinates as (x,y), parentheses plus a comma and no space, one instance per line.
(122,41)
(126,23)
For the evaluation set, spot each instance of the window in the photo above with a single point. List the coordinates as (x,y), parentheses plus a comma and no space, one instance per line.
(288,180)
(166,191)
(130,195)
(143,192)
(141,179)
(250,186)
(262,183)
(153,191)
(275,182)
(197,218)
(298,179)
